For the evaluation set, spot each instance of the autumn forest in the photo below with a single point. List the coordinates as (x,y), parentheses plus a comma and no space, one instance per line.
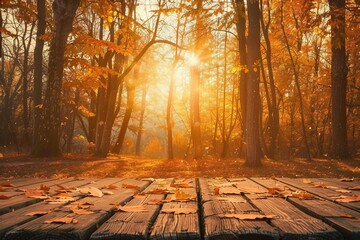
(174,79)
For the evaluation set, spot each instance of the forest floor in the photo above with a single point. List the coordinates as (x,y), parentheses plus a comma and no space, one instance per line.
(75,165)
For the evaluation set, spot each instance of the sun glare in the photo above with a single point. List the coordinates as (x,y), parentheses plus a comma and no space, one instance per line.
(193,60)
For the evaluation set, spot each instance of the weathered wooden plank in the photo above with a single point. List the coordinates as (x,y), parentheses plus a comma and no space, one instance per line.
(217,226)
(292,222)
(87,224)
(178,225)
(326,193)
(134,225)
(331,213)
(16,218)
(18,199)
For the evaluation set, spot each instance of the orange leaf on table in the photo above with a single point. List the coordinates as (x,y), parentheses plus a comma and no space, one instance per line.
(6,184)
(44,188)
(157,191)
(109,187)
(132,209)
(181,185)
(63,188)
(182,196)
(80,211)
(3,197)
(346,179)
(348,199)
(274,191)
(302,195)
(37,213)
(66,220)
(124,185)
(36,193)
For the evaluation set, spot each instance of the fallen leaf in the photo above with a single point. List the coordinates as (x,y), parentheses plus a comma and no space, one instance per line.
(302,195)
(124,185)
(182,196)
(216,191)
(307,181)
(148,179)
(274,191)
(347,179)
(36,213)
(91,191)
(61,198)
(63,188)
(108,192)
(132,209)
(155,201)
(181,185)
(6,184)
(343,191)
(186,210)
(247,216)
(321,185)
(157,191)
(348,199)
(66,220)
(3,197)
(36,193)
(109,187)
(44,188)
(345,215)
(80,211)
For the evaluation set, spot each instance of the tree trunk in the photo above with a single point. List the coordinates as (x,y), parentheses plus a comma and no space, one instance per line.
(48,145)
(195,87)
(141,121)
(129,108)
(38,70)
(273,109)
(339,146)
(253,153)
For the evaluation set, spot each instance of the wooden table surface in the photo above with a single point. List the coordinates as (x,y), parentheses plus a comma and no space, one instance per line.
(201,208)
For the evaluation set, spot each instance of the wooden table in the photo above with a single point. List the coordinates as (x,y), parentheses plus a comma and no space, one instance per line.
(201,208)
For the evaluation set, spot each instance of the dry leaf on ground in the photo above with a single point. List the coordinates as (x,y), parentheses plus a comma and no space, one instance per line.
(343,191)
(62,188)
(155,201)
(185,210)
(275,191)
(307,181)
(91,191)
(44,188)
(302,195)
(348,199)
(347,179)
(40,213)
(124,185)
(109,187)
(158,191)
(66,220)
(3,197)
(182,196)
(108,192)
(181,185)
(132,209)
(61,198)
(6,184)
(248,216)
(36,193)
(80,211)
